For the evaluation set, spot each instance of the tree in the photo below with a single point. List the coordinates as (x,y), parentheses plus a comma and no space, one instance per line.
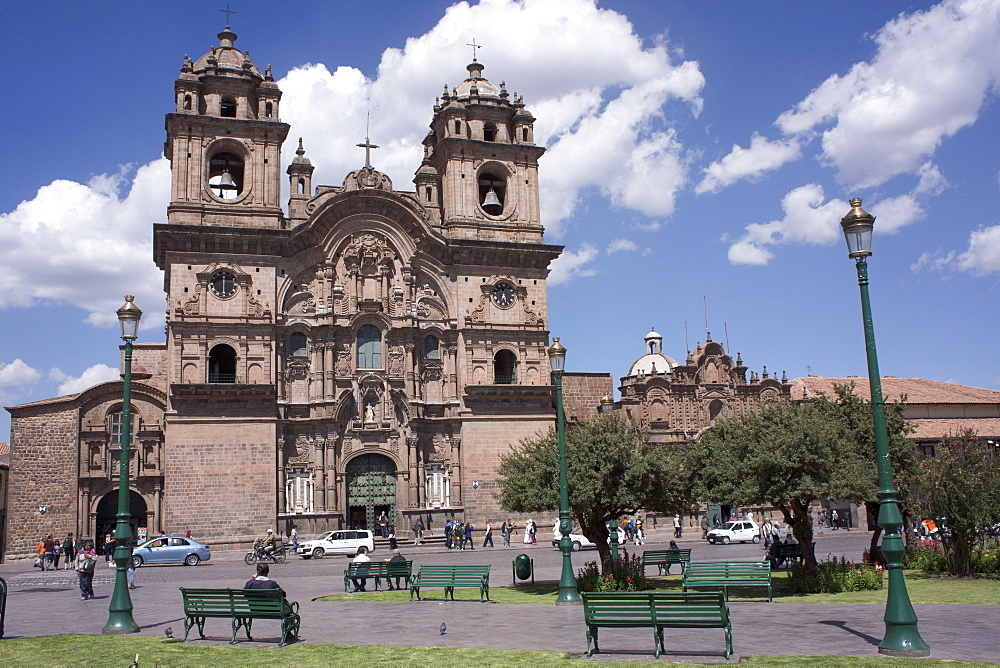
(612,471)
(961,486)
(792,454)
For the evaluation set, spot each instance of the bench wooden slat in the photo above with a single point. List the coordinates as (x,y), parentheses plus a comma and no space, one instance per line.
(663,558)
(654,610)
(450,577)
(378,570)
(727,574)
(242,606)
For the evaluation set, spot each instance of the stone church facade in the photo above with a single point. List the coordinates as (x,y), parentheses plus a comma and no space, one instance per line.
(371,350)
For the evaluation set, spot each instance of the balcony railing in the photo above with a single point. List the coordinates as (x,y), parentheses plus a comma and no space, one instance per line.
(222,377)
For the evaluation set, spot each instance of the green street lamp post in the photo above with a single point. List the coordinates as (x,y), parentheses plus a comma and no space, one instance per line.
(120,610)
(902,638)
(568,594)
(607,406)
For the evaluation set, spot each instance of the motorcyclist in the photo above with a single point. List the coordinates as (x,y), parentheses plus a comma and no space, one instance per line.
(268,543)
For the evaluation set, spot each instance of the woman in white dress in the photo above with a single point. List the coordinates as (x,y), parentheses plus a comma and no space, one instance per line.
(529,528)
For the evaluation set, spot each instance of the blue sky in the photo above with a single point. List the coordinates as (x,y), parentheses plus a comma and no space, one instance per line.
(699,153)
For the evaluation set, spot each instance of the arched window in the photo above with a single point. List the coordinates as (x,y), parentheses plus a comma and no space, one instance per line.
(297,345)
(524,134)
(228,108)
(458,127)
(268,109)
(490,132)
(504,368)
(222,364)
(187,103)
(432,348)
(369,347)
(302,186)
(714,409)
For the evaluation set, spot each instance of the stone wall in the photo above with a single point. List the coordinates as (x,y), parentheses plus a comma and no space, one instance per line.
(43,472)
(582,393)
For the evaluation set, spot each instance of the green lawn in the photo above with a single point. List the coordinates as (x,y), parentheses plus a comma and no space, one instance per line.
(922,587)
(101,650)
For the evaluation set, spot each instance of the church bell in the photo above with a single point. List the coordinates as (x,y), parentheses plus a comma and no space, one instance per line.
(226,181)
(491,199)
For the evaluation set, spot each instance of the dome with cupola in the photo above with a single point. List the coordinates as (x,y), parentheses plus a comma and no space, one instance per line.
(224,60)
(654,361)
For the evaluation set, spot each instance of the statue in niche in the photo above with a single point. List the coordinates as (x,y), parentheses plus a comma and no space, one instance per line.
(370,412)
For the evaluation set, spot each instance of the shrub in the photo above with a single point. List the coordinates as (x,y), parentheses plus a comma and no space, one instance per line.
(627,574)
(836,576)
(930,556)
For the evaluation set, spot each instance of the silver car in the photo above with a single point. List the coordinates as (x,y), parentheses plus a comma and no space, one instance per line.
(170,550)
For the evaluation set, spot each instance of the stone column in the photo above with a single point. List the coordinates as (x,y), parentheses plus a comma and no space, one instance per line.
(281,473)
(456,472)
(416,475)
(320,470)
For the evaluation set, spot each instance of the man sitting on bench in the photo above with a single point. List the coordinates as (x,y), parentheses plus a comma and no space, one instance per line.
(260,580)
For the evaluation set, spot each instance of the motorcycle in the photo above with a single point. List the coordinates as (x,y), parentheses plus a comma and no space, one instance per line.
(258,553)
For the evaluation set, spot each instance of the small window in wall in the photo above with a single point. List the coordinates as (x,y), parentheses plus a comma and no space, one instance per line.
(302,186)
(187,103)
(297,345)
(432,348)
(369,347)
(228,108)
(490,132)
(115,426)
(222,364)
(269,109)
(225,175)
(504,368)
(714,409)
(492,193)
(524,134)
(458,127)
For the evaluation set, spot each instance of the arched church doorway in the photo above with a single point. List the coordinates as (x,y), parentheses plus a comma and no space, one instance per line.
(107,516)
(371,490)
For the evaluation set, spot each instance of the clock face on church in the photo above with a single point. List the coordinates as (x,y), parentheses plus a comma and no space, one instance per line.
(503,294)
(223,284)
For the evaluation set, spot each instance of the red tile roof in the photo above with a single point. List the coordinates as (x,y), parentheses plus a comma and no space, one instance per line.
(917,390)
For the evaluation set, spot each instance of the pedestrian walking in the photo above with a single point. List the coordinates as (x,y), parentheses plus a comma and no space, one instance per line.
(383,525)
(505,533)
(68,552)
(488,538)
(677,525)
(640,538)
(468,536)
(527,532)
(418,531)
(834,520)
(706,526)
(86,560)
(109,549)
(293,537)
(49,554)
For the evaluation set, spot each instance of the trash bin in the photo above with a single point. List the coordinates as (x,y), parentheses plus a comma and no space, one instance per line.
(524,568)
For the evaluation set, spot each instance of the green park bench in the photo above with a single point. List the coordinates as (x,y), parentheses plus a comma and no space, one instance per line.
(662,559)
(242,606)
(378,570)
(726,574)
(451,577)
(701,610)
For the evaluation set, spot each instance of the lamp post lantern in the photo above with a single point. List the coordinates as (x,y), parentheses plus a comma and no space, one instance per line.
(568,594)
(902,638)
(120,610)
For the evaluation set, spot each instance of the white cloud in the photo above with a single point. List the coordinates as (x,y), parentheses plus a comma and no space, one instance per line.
(85,245)
(808,219)
(930,78)
(99,373)
(617,245)
(582,70)
(570,265)
(981,258)
(18,374)
(747,163)
(983,254)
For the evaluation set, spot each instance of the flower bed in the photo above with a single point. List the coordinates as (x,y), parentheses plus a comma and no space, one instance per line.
(627,574)
(836,576)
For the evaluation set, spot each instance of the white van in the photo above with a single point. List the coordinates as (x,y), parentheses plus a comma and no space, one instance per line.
(348,542)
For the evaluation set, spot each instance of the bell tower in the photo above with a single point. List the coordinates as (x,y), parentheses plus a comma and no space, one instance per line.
(224,142)
(480,167)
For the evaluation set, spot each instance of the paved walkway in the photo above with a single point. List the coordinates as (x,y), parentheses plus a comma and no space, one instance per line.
(48,603)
